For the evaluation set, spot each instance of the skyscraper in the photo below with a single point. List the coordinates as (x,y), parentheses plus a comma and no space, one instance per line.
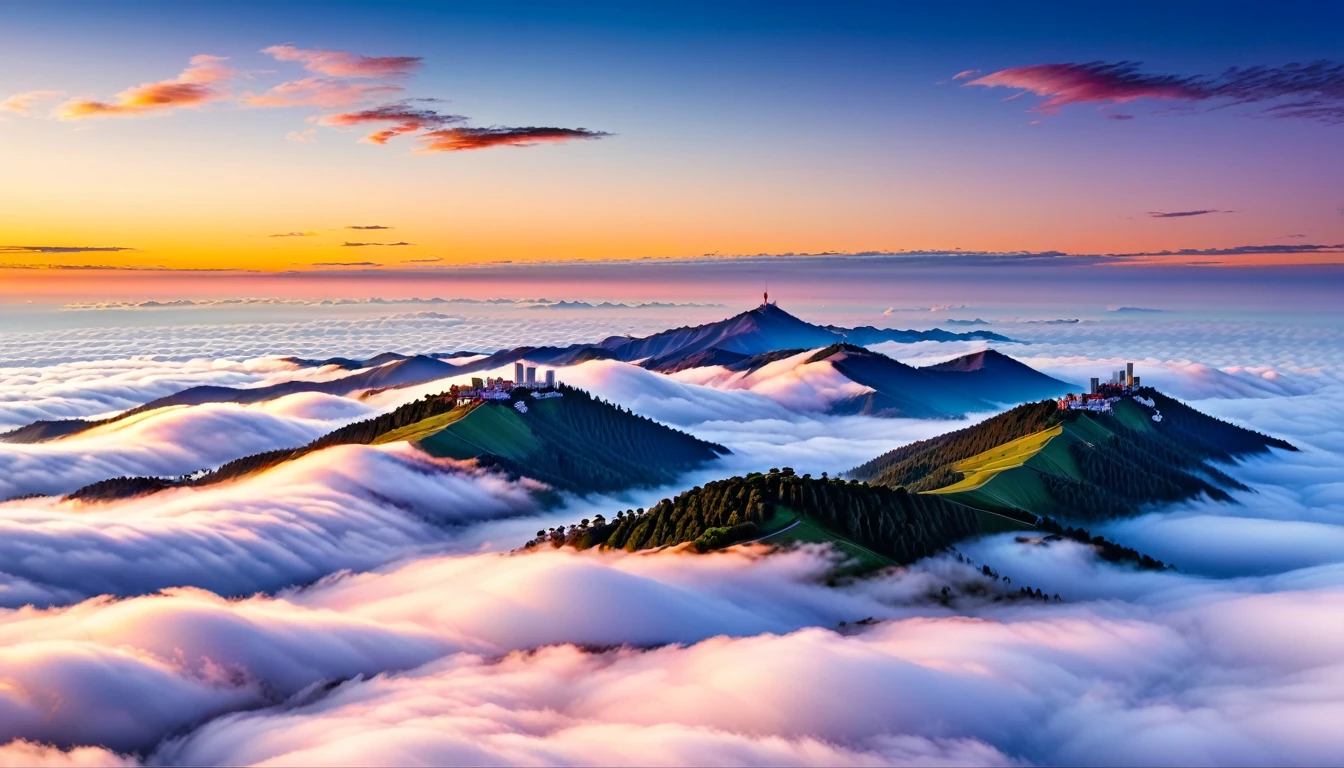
(531,375)
(1129,374)
(550,377)
(1096,384)
(518,372)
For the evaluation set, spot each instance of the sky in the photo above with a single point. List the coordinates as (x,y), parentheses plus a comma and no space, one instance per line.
(414,137)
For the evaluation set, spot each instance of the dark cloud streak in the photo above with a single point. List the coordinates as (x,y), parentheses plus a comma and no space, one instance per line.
(1313,91)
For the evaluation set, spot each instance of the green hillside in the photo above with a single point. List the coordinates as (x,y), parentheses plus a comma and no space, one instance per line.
(1036,461)
(574,442)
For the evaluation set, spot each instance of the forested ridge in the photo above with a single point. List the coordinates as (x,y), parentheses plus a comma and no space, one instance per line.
(1120,464)
(891,521)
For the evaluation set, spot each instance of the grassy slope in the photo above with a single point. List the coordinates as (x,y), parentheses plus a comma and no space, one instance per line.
(1007,477)
(809,531)
(425,427)
(493,429)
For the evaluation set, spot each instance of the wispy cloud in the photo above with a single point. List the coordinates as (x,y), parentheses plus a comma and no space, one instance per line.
(459,139)
(62,248)
(296,234)
(200,83)
(344,63)
(347,263)
(1183,214)
(305,136)
(965,73)
(1118,116)
(1312,91)
(1244,250)
(430,260)
(405,118)
(365,245)
(319,92)
(23,103)
(367,226)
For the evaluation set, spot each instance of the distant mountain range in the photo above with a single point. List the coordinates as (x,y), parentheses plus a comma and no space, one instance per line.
(764,329)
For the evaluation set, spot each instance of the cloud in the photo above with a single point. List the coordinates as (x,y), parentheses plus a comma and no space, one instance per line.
(305,136)
(296,234)
(199,84)
(363,245)
(1313,91)
(318,92)
(345,64)
(23,103)
(1243,250)
(965,73)
(430,260)
(459,139)
(406,119)
(349,263)
(292,524)
(1183,214)
(62,248)
(368,226)
(1118,116)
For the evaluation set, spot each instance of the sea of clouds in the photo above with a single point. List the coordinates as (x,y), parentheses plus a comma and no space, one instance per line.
(361,605)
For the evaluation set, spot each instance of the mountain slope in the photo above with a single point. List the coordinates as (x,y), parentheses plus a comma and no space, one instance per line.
(994,376)
(890,525)
(573,442)
(1036,460)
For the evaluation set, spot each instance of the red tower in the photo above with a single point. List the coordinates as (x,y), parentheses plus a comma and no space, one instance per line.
(766,300)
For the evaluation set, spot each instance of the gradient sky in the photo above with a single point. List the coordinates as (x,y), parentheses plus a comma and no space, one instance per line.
(733,128)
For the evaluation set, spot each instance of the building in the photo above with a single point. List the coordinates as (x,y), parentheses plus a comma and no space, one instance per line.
(550,378)
(1096,384)
(531,375)
(477,383)
(1129,374)
(518,372)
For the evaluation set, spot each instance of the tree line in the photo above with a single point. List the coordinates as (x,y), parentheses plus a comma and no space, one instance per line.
(891,521)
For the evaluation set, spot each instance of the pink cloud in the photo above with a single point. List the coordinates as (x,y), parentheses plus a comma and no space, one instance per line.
(1065,84)
(197,85)
(23,103)
(343,63)
(1313,91)
(965,73)
(318,92)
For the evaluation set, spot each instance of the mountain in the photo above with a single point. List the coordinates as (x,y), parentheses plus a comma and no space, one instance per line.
(871,525)
(993,376)
(1037,461)
(570,440)
(898,389)
(574,442)
(764,329)
(876,526)
(971,384)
